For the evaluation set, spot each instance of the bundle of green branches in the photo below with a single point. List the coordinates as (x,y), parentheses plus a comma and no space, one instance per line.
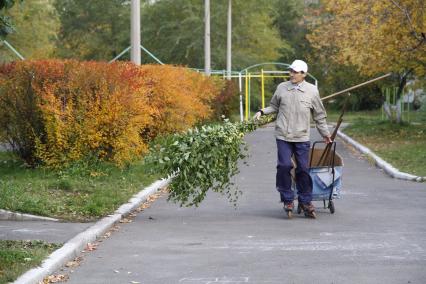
(201,159)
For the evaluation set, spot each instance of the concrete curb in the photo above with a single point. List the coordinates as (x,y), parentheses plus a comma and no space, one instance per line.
(388,168)
(13,216)
(73,247)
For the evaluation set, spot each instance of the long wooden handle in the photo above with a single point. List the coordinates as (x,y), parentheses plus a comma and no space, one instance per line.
(327,148)
(356,86)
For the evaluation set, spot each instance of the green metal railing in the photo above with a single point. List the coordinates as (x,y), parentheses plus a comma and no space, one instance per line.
(8,45)
(143,48)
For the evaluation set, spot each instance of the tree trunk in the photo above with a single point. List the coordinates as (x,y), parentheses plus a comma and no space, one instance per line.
(398,111)
(387,108)
(402,83)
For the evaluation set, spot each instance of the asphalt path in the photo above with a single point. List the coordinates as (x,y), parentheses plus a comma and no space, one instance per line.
(52,232)
(377,234)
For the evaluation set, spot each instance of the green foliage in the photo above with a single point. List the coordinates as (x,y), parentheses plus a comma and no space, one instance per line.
(5,21)
(288,18)
(172,30)
(93,30)
(36,25)
(342,77)
(201,159)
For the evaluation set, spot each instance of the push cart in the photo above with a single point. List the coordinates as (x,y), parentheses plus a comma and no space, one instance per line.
(326,174)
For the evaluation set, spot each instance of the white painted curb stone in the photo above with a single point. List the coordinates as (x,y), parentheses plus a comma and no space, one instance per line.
(73,247)
(388,168)
(14,216)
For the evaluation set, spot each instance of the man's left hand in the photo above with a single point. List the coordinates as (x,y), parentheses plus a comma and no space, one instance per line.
(327,140)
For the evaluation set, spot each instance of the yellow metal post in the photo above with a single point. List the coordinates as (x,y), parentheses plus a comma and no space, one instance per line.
(249,95)
(263,89)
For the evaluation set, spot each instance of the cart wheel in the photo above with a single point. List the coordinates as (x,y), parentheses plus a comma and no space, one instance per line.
(299,209)
(331,207)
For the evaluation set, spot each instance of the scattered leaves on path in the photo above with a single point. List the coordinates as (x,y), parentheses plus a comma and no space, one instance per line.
(55,279)
(93,246)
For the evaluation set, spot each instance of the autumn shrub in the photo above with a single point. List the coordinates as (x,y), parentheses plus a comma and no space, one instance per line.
(179,97)
(56,112)
(227,102)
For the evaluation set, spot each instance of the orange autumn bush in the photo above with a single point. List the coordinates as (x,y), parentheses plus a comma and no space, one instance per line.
(56,112)
(179,97)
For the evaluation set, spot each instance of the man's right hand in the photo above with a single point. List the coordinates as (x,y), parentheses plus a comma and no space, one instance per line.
(327,139)
(257,115)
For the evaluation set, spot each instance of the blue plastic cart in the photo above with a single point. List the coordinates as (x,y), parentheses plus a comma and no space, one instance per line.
(326,177)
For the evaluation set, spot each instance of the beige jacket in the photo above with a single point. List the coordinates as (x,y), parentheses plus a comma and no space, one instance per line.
(294,105)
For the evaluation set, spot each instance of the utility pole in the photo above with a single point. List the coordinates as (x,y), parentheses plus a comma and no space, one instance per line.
(229,42)
(207,53)
(135,32)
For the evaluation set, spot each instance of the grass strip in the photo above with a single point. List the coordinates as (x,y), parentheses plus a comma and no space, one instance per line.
(16,257)
(82,192)
(402,145)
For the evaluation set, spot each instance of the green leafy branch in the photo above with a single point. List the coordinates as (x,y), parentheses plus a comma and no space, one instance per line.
(201,159)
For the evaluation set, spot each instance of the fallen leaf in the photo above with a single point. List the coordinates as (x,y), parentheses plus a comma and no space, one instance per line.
(115,228)
(91,246)
(72,264)
(145,206)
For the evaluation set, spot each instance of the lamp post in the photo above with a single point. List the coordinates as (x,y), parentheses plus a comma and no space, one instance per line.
(229,42)
(207,53)
(135,32)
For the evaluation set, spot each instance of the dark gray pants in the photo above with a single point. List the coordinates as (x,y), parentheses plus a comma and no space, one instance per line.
(284,166)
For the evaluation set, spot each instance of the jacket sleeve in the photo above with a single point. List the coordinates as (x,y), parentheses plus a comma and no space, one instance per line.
(319,115)
(274,105)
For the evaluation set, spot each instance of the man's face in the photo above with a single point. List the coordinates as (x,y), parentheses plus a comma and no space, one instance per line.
(296,77)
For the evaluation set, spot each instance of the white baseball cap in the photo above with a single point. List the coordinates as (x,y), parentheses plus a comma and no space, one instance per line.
(299,66)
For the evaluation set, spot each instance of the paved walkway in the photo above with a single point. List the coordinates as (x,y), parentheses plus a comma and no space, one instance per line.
(53,232)
(377,235)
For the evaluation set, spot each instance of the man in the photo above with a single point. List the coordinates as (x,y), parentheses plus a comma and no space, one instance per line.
(295,101)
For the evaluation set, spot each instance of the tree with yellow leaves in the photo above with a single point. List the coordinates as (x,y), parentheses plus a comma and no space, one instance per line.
(375,36)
